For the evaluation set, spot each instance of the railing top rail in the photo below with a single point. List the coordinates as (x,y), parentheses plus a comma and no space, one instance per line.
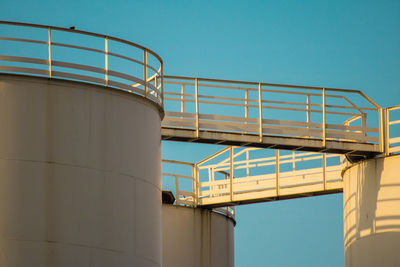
(178,162)
(267,84)
(393,107)
(82,32)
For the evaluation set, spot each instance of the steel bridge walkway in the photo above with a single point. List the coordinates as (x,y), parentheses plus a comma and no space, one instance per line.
(312,122)
(258,175)
(313,134)
(274,116)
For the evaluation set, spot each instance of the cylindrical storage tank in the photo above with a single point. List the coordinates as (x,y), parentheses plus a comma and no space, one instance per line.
(80,181)
(196,237)
(371,205)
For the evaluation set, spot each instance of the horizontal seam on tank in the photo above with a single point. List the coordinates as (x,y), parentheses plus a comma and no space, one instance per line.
(148,259)
(83,167)
(66,243)
(83,246)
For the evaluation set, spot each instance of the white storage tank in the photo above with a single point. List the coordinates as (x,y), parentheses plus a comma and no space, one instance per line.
(371,205)
(80,181)
(196,237)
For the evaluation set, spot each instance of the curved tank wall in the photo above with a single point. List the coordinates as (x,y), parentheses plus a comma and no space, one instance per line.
(196,237)
(80,181)
(371,205)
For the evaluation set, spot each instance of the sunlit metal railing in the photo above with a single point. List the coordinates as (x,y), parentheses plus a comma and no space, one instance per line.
(263,110)
(237,175)
(392,123)
(246,175)
(81,56)
(181,178)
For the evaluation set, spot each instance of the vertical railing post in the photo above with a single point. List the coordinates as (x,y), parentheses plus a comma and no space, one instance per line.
(381,131)
(145,72)
(308,112)
(277,172)
(177,189)
(162,85)
(387,134)
(323,118)
(246,107)
(324,169)
(211,180)
(294,161)
(49,48)
(156,85)
(247,163)
(194,185)
(260,114)
(182,98)
(106,61)
(383,128)
(196,84)
(197,175)
(364,123)
(231,173)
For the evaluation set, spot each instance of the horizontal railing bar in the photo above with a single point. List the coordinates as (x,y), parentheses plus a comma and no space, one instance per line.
(133,60)
(394,122)
(24,70)
(77,77)
(263,84)
(24,59)
(264,106)
(253,89)
(393,108)
(84,33)
(178,175)
(178,162)
(23,40)
(78,47)
(77,66)
(263,101)
(394,140)
(101,71)
(269,122)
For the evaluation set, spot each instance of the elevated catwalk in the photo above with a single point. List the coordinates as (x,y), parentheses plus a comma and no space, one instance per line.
(80,154)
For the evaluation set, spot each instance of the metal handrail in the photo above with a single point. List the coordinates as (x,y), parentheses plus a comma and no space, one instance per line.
(392,144)
(142,83)
(241,181)
(245,185)
(186,196)
(253,96)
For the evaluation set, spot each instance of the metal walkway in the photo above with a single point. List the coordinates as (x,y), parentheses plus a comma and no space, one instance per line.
(236,176)
(249,115)
(272,116)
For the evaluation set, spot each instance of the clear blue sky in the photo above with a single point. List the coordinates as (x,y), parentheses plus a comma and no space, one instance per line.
(348,44)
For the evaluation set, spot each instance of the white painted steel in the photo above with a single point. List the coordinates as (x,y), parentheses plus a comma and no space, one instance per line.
(256,109)
(79,175)
(371,206)
(196,237)
(144,82)
(392,115)
(294,175)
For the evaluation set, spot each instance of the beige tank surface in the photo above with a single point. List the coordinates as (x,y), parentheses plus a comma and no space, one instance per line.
(196,237)
(79,175)
(371,205)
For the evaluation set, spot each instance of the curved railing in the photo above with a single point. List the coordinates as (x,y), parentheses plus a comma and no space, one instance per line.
(77,55)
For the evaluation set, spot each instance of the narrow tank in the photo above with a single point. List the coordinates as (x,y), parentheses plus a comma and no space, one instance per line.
(196,237)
